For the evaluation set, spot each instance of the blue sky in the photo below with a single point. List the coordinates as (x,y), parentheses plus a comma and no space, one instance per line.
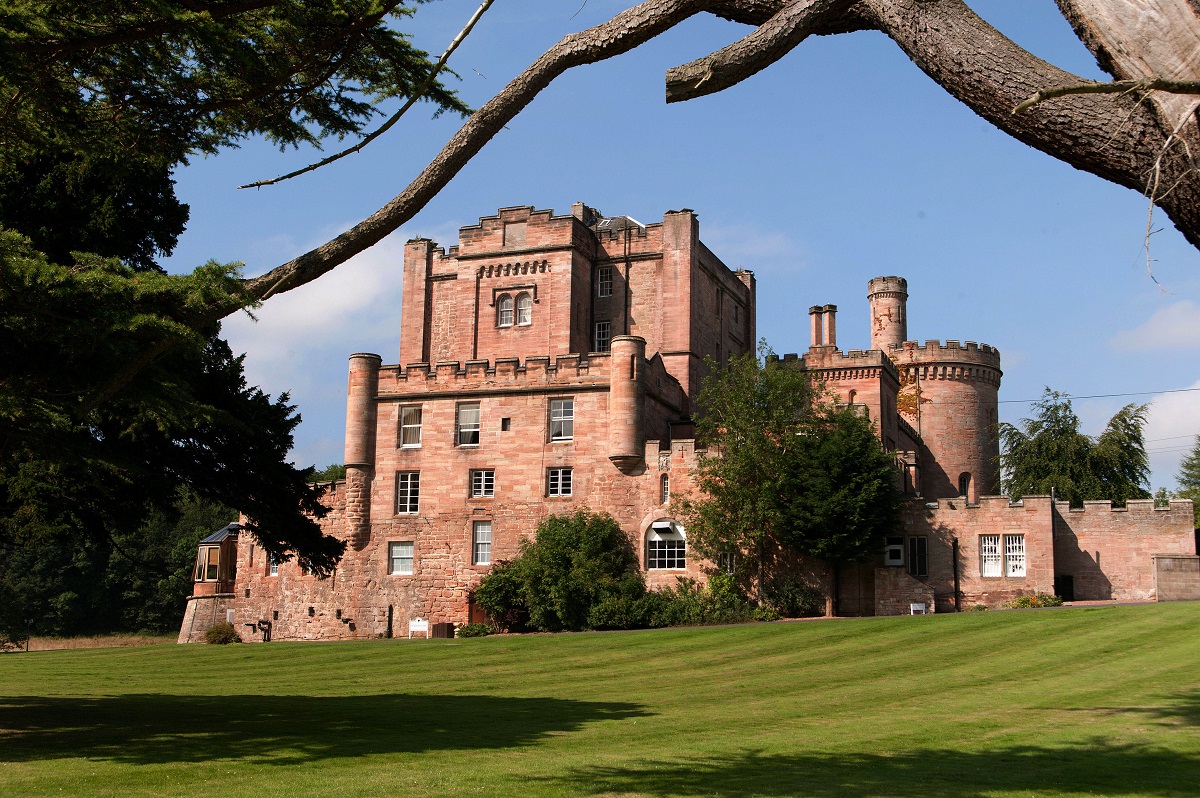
(839,163)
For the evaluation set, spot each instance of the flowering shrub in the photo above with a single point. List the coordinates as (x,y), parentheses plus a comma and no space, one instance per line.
(1040,600)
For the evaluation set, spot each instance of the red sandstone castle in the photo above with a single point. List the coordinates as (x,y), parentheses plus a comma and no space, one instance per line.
(552,362)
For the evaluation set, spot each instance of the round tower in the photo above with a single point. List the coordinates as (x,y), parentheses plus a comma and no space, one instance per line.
(626,436)
(950,396)
(360,444)
(889,315)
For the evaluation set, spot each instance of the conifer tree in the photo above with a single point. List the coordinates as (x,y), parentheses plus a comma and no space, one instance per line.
(1189,479)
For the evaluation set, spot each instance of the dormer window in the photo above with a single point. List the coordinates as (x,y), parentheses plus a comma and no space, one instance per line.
(504,311)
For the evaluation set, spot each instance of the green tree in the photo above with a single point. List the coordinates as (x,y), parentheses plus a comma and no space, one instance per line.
(788,470)
(330,473)
(1189,479)
(1047,451)
(576,564)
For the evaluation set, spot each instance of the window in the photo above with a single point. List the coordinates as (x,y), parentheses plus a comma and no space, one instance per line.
(400,558)
(481,543)
(504,311)
(524,309)
(727,562)
(664,488)
(207,563)
(562,419)
(602,336)
(483,483)
(408,491)
(558,482)
(964,484)
(410,425)
(468,424)
(893,551)
(272,565)
(604,281)
(1014,555)
(995,561)
(666,547)
(918,555)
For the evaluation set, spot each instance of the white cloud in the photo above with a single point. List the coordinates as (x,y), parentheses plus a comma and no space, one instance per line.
(1176,326)
(1171,433)
(741,245)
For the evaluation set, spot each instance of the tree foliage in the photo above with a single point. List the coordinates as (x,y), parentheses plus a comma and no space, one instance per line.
(1189,479)
(787,469)
(575,563)
(1047,451)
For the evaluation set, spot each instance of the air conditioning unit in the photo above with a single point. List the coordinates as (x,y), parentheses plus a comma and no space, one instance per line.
(893,552)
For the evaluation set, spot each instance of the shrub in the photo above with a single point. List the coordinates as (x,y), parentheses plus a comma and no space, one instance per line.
(221,634)
(977,608)
(691,604)
(1040,600)
(575,564)
(794,598)
(475,630)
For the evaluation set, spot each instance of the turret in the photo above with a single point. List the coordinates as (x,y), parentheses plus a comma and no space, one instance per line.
(626,437)
(889,315)
(360,444)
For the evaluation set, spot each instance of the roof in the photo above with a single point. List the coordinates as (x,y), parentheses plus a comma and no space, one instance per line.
(223,534)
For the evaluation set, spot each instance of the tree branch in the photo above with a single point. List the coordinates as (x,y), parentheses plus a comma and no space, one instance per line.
(771,41)
(619,35)
(412,100)
(1113,87)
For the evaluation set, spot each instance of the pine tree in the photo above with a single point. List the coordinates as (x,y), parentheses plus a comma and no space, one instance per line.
(1189,479)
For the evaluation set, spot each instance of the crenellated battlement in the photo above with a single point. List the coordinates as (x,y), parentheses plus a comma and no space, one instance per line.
(1132,506)
(836,364)
(951,351)
(984,504)
(457,375)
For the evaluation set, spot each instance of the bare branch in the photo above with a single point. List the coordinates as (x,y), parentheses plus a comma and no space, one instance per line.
(771,41)
(416,95)
(619,35)
(1113,87)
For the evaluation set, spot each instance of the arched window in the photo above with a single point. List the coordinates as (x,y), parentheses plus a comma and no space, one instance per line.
(852,395)
(504,311)
(524,309)
(964,484)
(666,546)
(664,488)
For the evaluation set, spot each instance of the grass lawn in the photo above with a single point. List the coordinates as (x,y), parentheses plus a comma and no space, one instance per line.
(1101,701)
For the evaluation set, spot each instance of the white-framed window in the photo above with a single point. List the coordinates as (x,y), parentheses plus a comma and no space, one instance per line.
(664,489)
(410,426)
(666,546)
(467,424)
(504,311)
(562,419)
(604,281)
(1014,555)
(524,309)
(273,565)
(893,551)
(918,555)
(990,559)
(558,482)
(400,557)
(408,492)
(602,336)
(483,483)
(208,564)
(481,543)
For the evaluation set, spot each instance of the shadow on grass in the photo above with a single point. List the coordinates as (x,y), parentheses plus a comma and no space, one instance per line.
(1099,769)
(148,729)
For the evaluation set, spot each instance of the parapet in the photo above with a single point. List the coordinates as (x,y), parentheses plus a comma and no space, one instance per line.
(1132,506)
(968,360)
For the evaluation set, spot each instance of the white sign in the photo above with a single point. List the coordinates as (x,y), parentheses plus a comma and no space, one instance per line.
(418,625)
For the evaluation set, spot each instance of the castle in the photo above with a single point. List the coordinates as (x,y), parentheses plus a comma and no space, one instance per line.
(551,362)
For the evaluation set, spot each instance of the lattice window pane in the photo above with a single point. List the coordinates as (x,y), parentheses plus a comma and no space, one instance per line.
(1014,555)
(481,543)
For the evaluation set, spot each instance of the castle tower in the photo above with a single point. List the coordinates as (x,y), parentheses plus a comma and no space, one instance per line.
(889,316)
(360,444)
(626,436)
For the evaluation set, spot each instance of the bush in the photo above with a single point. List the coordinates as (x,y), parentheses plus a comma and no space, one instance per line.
(1028,602)
(691,604)
(977,608)
(574,565)
(221,634)
(475,630)
(794,598)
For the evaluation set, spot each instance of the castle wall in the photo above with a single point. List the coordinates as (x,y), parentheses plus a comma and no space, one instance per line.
(1108,552)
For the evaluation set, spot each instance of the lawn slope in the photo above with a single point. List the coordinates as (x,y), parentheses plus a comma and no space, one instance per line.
(1101,701)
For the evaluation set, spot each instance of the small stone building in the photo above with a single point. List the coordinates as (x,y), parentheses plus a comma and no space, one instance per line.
(548,363)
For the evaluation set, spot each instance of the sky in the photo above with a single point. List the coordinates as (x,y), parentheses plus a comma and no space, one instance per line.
(837,164)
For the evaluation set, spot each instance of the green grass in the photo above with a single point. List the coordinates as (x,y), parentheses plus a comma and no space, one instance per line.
(1101,701)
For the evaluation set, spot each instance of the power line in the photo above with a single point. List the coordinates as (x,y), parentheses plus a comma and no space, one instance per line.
(1101,396)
